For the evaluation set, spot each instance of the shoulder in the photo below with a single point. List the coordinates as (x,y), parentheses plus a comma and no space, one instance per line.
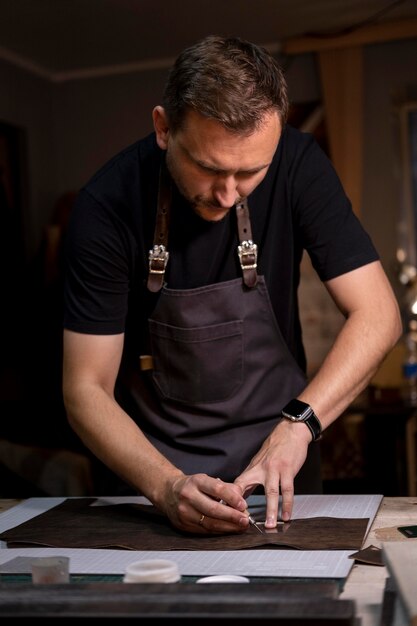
(126,168)
(112,201)
(299,161)
(300,148)
(296,139)
(307,168)
(124,186)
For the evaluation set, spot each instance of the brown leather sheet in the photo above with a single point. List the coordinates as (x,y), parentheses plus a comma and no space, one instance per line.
(76,524)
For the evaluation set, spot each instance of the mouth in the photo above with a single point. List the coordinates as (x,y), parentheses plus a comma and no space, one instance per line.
(215,207)
(210,212)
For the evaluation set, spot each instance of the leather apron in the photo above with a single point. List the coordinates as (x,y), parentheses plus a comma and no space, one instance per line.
(221,370)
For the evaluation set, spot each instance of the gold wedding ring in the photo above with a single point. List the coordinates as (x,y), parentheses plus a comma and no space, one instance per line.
(201,520)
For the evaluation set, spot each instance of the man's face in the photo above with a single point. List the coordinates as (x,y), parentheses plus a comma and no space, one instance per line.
(212,167)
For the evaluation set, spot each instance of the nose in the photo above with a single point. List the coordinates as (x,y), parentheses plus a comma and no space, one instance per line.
(225,191)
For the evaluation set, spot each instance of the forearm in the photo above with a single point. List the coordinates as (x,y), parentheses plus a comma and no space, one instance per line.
(359,349)
(118,442)
(353,360)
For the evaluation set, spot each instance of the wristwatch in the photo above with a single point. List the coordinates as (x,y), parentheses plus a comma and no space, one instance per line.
(298,411)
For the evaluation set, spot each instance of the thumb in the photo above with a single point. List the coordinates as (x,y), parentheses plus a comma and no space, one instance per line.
(245,488)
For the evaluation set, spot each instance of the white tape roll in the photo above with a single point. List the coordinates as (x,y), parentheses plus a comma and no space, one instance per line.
(152,571)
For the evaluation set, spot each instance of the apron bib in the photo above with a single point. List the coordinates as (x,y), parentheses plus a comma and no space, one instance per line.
(221,370)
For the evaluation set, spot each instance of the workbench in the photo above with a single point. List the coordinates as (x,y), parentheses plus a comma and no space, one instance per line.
(360,601)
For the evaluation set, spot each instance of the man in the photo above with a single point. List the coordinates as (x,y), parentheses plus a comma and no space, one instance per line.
(183,360)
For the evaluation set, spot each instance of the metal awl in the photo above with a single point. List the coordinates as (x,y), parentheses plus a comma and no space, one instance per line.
(254,523)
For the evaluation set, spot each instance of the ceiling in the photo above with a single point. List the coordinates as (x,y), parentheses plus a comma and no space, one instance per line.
(67,39)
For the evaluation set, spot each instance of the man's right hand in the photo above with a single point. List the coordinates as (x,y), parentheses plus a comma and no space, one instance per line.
(201,504)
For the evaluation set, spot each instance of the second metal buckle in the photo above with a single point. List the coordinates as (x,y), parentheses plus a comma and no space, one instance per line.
(248,255)
(158,259)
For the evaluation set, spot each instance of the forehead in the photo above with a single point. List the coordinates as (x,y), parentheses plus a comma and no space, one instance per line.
(209,142)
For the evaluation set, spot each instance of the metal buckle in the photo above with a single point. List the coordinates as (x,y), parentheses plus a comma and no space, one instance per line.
(158,259)
(245,250)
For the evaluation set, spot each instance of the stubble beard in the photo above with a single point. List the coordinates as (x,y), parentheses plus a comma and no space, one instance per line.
(199,204)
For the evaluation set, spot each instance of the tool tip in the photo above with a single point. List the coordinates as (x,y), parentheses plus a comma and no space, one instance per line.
(254,523)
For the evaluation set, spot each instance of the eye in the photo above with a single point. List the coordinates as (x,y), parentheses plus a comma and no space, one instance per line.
(208,170)
(246,175)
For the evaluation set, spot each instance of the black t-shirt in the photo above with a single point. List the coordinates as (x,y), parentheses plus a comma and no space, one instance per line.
(299,205)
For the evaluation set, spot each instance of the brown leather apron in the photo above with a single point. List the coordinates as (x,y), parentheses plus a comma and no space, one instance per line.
(221,369)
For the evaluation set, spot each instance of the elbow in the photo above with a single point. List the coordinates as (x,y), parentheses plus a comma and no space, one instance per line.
(398,325)
(70,410)
(395,330)
(399,332)
(73,399)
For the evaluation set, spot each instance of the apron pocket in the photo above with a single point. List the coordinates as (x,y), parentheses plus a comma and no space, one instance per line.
(193,365)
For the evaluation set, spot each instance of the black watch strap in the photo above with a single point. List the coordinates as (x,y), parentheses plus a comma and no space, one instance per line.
(314,425)
(298,411)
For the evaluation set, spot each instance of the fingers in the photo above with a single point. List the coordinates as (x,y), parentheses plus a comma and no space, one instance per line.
(272,500)
(273,510)
(207,505)
(219,525)
(229,494)
(271,514)
(275,466)
(225,505)
(279,494)
(246,488)
(287,497)
(214,526)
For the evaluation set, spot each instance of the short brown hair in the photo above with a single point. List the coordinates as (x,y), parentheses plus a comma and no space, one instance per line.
(227,79)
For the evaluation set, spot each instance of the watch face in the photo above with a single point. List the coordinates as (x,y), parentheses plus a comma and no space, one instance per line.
(297,409)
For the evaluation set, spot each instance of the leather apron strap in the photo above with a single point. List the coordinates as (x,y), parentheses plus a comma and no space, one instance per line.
(247,250)
(158,256)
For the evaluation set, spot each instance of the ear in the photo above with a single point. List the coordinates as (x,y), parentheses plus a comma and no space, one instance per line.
(160,123)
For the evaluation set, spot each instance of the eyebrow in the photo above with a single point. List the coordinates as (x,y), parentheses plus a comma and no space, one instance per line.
(219,170)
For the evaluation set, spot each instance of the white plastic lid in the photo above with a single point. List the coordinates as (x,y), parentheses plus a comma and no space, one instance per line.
(224,578)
